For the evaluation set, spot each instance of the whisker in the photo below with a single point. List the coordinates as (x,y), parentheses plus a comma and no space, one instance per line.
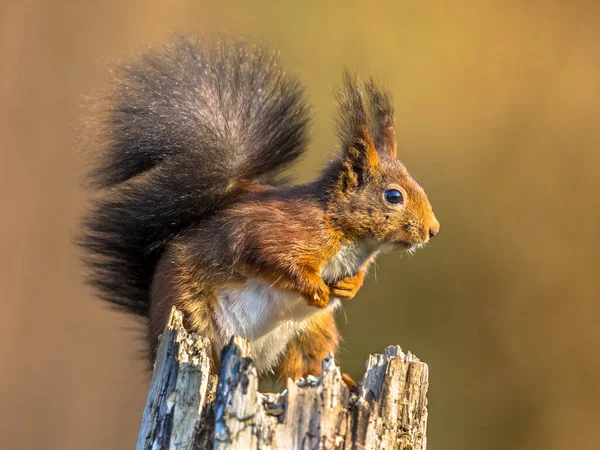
(275,282)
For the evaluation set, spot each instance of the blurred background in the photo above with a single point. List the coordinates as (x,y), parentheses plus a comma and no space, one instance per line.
(497,117)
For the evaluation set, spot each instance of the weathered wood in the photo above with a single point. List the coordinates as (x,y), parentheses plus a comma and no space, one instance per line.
(181,391)
(389,411)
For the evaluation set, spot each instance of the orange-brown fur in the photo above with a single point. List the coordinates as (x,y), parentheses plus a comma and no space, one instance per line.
(305,353)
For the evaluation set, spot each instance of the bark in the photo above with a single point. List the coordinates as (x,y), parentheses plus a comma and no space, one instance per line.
(188,409)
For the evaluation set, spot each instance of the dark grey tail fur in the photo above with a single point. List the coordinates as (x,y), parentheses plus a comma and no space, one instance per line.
(177,130)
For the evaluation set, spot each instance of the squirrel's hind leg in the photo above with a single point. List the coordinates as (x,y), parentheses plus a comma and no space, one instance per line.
(176,285)
(307,349)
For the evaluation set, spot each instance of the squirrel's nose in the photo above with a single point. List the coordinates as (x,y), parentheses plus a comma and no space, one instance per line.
(434,228)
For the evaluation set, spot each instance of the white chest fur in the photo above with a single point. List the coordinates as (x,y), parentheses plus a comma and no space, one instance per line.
(268,316)
(347,261)
(265,315)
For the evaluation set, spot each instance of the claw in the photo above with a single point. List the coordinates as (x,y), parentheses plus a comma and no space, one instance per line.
(350,383)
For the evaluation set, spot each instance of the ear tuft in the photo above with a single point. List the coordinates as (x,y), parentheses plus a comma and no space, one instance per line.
(352,117)
(358,150)
(382,119)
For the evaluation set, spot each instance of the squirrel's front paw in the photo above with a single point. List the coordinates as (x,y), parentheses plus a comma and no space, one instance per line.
(347,287)
(318,298)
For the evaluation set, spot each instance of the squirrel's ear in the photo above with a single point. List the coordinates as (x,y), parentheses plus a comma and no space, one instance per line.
(359,157)
(359,160)
(382,119)
(360,153)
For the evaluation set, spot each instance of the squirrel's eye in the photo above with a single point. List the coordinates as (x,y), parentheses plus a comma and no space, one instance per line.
(394,196)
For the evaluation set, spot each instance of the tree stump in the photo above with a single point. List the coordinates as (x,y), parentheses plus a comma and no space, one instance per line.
(188,408)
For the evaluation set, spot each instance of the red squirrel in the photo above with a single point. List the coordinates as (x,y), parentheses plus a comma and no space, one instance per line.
(191,140)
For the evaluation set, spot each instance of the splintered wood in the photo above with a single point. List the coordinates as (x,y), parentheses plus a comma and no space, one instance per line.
(188,408)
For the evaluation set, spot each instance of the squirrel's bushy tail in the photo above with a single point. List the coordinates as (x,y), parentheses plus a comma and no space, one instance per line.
(177,131)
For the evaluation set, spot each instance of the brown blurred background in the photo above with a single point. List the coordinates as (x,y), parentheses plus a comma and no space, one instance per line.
(498,106)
